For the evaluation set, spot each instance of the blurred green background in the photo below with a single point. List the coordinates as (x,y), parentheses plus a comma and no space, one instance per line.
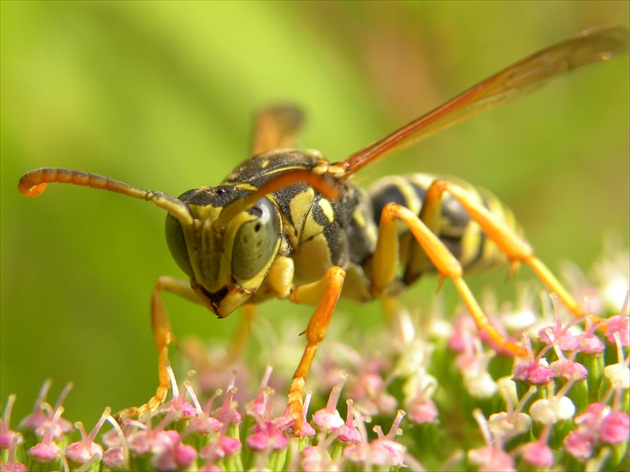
(161,95)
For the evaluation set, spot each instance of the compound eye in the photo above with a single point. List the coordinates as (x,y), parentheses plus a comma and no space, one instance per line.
(177,244)
(256,240)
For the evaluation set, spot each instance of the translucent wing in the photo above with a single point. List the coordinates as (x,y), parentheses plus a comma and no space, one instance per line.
(276,128)
(524,76)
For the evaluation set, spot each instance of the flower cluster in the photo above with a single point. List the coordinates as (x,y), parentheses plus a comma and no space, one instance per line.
(445,399)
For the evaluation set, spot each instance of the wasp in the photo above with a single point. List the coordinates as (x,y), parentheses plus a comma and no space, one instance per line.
(287,223)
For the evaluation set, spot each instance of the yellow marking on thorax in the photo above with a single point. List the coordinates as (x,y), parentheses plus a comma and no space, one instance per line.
(327,209)
(300,208)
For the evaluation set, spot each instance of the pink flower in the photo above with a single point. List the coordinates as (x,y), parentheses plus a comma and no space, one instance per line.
(229,445)
(349,433)
(590,343)
(10,465)
(568,369)
(221,447)
(203,423)
(615,427)
(423,411)
(383,451)
(599,423)
(169,453)
(621,325)
(491,456)
(532,371)
(46,450)
(267,436)
(368,389)
(328,418)
(580,443)
(260,406)
(114,458)
(227,412)
(183,409)
(559,334)
(46,418)
(6,433)
(492,459)
(82,451)
(315,459)
(286,421)
(464,335)
(538,454)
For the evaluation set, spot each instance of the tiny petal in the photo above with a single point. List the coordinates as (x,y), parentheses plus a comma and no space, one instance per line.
(464,335)
(6,433)
(328,418)
(538,454)
(566,340)
(349,433)
(620,325)
(227,412)
(313,459)
(591,344)
(185,455)
(258,441)
(267,436)
(580,444)
(491,459)
(84,450)
(533,372)
(77,452)
(45,452)
(139,442)
(169,453)
(615,427)
(230,445)
(568,369)
(387,453)
(114,458)
(423,411)
(204,424)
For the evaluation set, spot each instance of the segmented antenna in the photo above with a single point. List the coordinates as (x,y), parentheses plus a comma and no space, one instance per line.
(34,183)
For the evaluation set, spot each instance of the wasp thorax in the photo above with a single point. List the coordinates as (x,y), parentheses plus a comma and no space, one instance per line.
(226,259)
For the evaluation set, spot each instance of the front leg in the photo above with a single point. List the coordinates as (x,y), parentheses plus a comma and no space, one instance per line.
(163,336)
(327,291)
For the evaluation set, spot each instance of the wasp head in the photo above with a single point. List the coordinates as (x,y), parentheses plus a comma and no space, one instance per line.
(226,257)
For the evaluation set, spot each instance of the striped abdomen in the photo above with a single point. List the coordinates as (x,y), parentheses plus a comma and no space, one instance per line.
(456,230)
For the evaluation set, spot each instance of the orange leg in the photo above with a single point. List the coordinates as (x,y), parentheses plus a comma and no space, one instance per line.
(330,288)
(515,247)
(163,337)
(385,260)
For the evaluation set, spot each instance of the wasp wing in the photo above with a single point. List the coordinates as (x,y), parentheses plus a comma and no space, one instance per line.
(524,76)
(276,127)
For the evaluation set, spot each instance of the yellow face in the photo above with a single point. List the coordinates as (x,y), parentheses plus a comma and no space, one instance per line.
(226,261)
